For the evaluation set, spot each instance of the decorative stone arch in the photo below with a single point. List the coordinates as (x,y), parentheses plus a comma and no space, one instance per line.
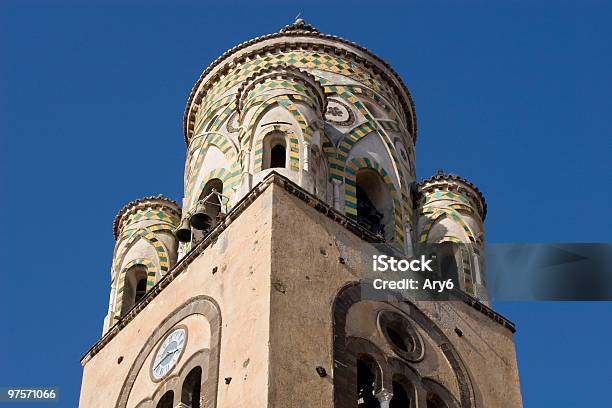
(345,90)
(170,384)
(286,102)
(454,240)
(151,274)
(347,144)
(362,130)
(160,249)
(174,382)
(215,126)
(350,191)
(129,233)
(433,387)
(436,214)
(210,108)
(229,179)
(460,207)
(202,305)
(272,84)
(294,146)
(344,372)
(222,143)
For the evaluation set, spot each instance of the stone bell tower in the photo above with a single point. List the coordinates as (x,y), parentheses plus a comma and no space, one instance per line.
(300,164)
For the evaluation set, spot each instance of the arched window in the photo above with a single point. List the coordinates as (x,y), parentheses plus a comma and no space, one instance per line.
(366,382)
(166,401)
(434,401)
(134,287)
(275,151)
(277,156)
(374,203)
(213,206)
(448,261)
(141,289)
(190,395)
(400,396)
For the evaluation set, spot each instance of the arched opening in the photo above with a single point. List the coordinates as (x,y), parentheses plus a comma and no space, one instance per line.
(448,260)
(134,287)
(367,371)
(277,156)
(434,401)
(374,203)
(141,289)
(400,396)
(190,394)
(166,401)
(213,206)
(275,151)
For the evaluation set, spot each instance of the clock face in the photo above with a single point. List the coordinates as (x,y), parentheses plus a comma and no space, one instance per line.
(168,353)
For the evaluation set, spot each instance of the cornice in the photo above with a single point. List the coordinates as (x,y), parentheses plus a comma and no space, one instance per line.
(451,182)
(159,201)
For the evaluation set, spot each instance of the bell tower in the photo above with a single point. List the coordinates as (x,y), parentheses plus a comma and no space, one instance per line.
(300,164)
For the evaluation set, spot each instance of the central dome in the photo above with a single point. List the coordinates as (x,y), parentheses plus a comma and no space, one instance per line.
(337,56)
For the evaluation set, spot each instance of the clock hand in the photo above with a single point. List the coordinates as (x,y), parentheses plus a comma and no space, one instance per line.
(166,354)
(162,358)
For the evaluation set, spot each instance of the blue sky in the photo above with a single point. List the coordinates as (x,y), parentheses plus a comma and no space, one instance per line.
(512,96)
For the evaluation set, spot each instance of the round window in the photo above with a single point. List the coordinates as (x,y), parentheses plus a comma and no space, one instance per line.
(401,335)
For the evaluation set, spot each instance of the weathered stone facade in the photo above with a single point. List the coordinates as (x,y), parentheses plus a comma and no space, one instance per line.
(310,140)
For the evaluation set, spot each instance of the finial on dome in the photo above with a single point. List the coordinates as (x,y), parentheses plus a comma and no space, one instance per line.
(299,25)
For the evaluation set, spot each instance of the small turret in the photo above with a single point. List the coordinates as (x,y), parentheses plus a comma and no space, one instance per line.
(145,250)
(452,210)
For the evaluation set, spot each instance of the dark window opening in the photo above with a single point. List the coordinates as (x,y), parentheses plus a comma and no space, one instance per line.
(366,385)
(166,401)
(367,214)
(400,397)
(141,290)
(134,287)
(448,262)
(396,338)
(191,388)
(213,206)
(277,156)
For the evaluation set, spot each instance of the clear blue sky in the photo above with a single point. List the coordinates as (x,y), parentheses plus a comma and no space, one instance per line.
(513,96)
